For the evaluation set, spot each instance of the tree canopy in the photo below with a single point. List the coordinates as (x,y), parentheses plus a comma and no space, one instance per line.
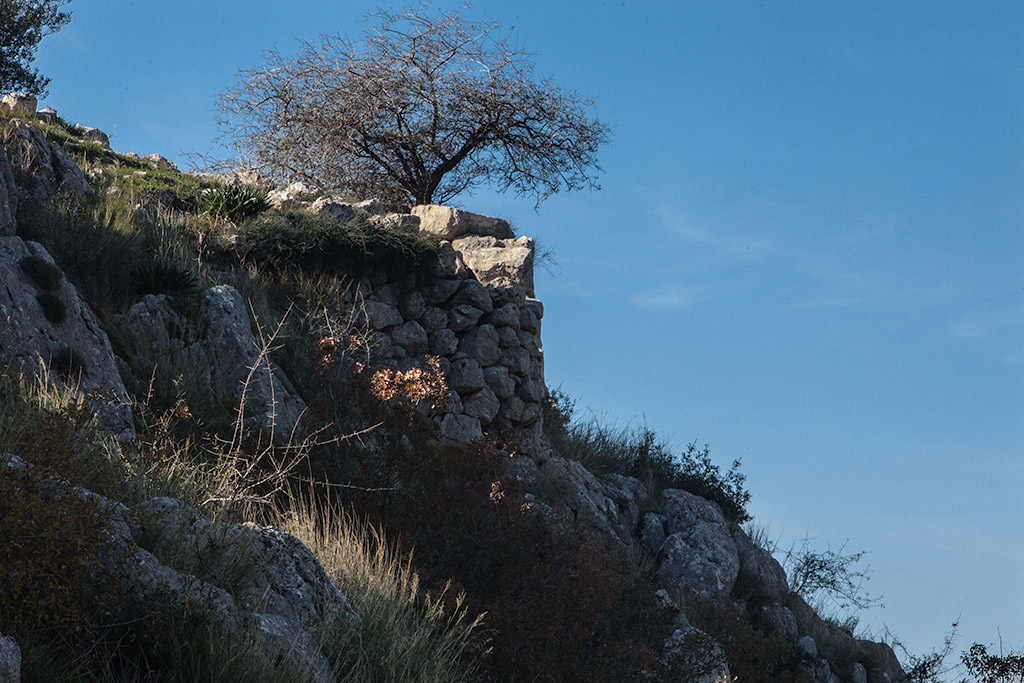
(425,107)
(23,23)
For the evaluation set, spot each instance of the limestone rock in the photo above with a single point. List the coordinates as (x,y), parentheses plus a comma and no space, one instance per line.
(402,222)
(287,580)
(339,211)
(481,344)
(46,168)
(699,555)
(294,196)
(21,103)
(287,644)
(8,196)
(761,577)
(777,619)
(411,337)
(448,223)
(498,261)
(461,427)
(482,405)
(10,660)
(692,656)
(48,115)
(91,135)
(466,376)
(73,350)
(652,532)
(576,496)
(380,315)
(242,374)
(443,342)
(373,207)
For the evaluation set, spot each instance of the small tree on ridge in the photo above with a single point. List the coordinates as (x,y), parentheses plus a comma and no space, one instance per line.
(423,109)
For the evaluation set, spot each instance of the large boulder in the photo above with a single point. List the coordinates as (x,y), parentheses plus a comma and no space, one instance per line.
(242,370)
(500,262)
(574,497)
(47,330)
(448,223)
(699,556)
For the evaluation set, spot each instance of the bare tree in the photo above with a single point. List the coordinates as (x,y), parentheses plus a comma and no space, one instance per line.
(426,107)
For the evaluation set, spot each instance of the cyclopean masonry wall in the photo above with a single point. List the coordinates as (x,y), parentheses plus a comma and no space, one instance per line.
(478,315)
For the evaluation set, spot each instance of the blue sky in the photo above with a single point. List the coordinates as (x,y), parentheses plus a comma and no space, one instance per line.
(808,251)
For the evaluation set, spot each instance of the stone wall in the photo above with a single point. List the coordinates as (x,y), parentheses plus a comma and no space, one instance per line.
(477,313)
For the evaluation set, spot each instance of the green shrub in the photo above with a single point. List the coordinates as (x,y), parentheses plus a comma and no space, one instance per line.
(233,202)
(277,240)
(53,307)
(163,277)
(44,274)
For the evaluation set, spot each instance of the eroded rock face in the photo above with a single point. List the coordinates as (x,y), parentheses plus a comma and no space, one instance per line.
(699,555)
(47,330)
(8,196)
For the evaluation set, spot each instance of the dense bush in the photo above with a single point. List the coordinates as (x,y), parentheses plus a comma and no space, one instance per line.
(233,202)
(754,656)
(278,240)
(638,453)
(51,536)
(559,606)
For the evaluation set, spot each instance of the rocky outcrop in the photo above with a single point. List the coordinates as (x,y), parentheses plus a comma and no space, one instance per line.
(570,496)
(268,590)
(282,577)
(46,330)
(42,170)
(449,223)
(21,103)
(217,355)
(699,556)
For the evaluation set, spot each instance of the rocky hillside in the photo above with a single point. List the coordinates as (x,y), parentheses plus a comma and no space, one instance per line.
(269,434)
